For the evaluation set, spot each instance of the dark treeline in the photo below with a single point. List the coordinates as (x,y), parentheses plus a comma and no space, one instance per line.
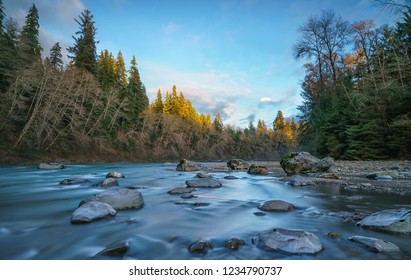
(94,109)
(357,104)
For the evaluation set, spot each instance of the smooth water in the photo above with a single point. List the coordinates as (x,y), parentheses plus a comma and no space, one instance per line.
(35,213)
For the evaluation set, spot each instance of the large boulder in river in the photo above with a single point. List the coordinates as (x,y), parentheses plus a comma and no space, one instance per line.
(119,199)
(108,182)
(303,162)
(186,165)
(203,183)
(50,165)
(392,220)
(257,170)
(374,244)
(300,181)
(74,181)
(115,175)
(237,164)
(289,241)
(91,211)
(276,206)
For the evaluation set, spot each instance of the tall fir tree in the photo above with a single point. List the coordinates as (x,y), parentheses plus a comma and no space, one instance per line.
(106,74)
(84,50)
(29,46)
(218,123)
(158,103)
(56,58)
(8,53)
(121,72)
(278,123)
(2,18)
(136,88)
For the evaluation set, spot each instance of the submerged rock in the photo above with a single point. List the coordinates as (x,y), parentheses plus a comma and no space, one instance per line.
(234,244)
(115,175)
(91,211)
(119,199)
(74,181)
(257,170)
(333,235)
(108,182)
(374,244)
(203,175)
(276,206)
(237,164)
(393,220)
(180,191)
(119,248)
(203,183)
(200,246)
(288,241)
(186,165)
(50,165)
(230,177)
(298,181)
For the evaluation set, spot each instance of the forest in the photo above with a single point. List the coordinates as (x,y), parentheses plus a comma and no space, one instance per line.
(356,91)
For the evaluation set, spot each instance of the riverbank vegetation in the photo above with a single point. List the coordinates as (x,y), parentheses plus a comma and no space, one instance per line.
(356,103)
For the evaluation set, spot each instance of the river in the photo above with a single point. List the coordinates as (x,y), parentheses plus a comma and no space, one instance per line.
(35,213)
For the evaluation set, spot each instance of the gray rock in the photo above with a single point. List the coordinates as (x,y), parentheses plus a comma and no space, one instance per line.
(108,182)
(50,165)
(383,175)
(200,246)
(374,244)
(203,175)
(298,180)
(237,164)
(276,206)
(119,248)
(74,181)
(186,165)
(384,178)
(393,220)
(188,196)
(288,241)
(352,188)
(203,183)
(180,191)
(303,162)
(230,177)
(257,170)
(234,244)
(115,175)
(119,199)
(91,211)
(326,164)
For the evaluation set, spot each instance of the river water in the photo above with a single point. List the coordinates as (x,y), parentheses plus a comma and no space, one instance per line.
(35,213)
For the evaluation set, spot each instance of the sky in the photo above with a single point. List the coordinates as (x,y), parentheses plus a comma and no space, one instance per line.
(234,57)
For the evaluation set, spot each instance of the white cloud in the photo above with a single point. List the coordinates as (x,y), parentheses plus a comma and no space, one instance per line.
(171,27)
(266,100)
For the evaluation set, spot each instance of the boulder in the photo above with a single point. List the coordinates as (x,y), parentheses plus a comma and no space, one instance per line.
(276,206)
(118,248)
(384,175)
(392,220)
(203,175)
(50,165)
(108,182)
(257,170)
(74,181)
(180,191)
(234,244)
(298,181)
(230,177)
(303,162)
(91,211)
(289,241)
(115,175)
(237,164)
(203,183)
(119,199)
(186,165)
(200,246)
(374,244)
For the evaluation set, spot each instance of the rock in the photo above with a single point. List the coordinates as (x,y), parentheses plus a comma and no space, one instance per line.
(115,249)
(333,235)
(119,199)
(298,180)
(91,211)
(393,220)
(259,213)
(374,244)
(203,183)
(332,176)
(276,206)
(384,178)
(303,162)
(200,246)
(257,170)
(188,196)
(288,241)
(237,164)
(50,165)
(234,244)
(352,188)
(109,182)
(203,175)
(180,191)
(383,175)
(115,175)
(74,181)
(230,177)
(186,165)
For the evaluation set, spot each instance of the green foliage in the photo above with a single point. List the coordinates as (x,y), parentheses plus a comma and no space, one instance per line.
(56,58)
(29,46)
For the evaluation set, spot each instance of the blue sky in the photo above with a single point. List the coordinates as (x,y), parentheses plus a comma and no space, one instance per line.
(228,56)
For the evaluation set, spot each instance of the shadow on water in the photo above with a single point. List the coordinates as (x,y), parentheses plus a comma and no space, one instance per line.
(35,213)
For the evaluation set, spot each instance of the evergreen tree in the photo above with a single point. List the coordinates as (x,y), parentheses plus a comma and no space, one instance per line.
(218,123)
(30,49)
(261,127)
(8,53)
(56,58)
(158,103)
(278,123)
(106,73)
(120,70)
(84,50)
(2,19)
(136,89)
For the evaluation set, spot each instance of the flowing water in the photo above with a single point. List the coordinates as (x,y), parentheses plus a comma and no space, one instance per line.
(35,213)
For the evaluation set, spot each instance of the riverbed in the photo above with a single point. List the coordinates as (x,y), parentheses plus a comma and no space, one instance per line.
(35,214)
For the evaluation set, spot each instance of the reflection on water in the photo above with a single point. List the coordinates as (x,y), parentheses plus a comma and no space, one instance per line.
(35,214)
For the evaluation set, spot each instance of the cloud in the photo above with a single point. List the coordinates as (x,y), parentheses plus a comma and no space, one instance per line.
(170,28)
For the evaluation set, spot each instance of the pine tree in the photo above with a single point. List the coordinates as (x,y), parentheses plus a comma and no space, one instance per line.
(261,127)
(120,70)
(2,19)
(278,123)
(8,53)
(30,49)
(84,50)
(106,74)
(218,123)
(136,89)
(158,103)
(56,58)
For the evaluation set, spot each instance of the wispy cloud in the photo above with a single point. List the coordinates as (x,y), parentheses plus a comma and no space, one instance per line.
(170,28)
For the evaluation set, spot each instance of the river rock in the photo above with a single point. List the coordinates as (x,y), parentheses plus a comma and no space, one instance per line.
(91,211)
(289,241)
(374,244)
(203,183)
(203,175)
(200,246)
(118,248)
(180,191)
(115,175)
(276,206)
(392,220)
(186,165)
(108,182)
(303,162)
(230,177)
(119,199)
(50,165)
(237,164)
(74,181)
(298,180)
(384,175)
(234,244)
(257,170)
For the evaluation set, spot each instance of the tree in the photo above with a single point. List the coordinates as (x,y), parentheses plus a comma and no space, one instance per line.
(261,127)
(120,71)
(136,89)
(106,73)
(30,49)
(278,123)
(158,103)
(8,53)
(84,50)
(2,18)
(218,123)
(56,58)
